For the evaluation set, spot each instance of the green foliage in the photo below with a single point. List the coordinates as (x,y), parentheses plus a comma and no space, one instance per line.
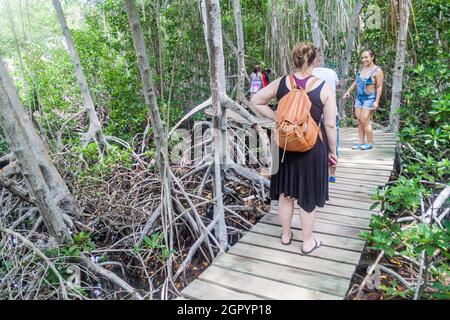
(402,197)
(396,290)
(83,241)
(426,122)
(155,243)
(98,165)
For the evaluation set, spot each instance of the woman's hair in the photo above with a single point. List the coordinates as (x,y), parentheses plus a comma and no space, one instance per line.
(372,54)
(304,53)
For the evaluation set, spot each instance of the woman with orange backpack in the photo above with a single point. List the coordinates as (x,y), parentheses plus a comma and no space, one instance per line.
(306,135)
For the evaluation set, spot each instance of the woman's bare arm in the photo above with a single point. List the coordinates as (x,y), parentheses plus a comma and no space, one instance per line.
(379,77)
(261,99)
(329,117)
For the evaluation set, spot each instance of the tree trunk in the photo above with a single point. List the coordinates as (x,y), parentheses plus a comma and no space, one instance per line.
(33,158)
(348,52)
(147,83)
(399,64)
(162,154)
(218,94)
(315,28)
(240,50)
(277,37)
(203,15)
(95,127)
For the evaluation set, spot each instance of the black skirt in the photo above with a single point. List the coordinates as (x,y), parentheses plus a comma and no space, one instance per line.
(303,175)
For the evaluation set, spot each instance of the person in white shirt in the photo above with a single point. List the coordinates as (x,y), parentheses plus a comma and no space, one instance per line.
(331,78)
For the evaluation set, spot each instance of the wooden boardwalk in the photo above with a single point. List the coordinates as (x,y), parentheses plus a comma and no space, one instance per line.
(260,267)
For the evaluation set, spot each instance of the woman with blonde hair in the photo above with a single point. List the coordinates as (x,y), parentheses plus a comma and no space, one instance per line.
(302,176)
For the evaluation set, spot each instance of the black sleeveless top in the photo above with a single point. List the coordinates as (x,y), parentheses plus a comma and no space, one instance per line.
(303,175)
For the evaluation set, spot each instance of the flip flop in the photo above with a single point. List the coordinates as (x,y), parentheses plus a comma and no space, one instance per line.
(318,245)
(290,240)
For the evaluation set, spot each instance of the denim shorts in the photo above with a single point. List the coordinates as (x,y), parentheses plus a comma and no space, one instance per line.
(365,102)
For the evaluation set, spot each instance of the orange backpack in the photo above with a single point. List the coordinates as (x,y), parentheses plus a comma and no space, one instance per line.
(295,128)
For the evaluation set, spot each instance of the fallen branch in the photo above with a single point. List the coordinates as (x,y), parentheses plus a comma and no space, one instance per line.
(15,189)
(369,273)
(111,276)
(432,211)
(194,248)
(396,275)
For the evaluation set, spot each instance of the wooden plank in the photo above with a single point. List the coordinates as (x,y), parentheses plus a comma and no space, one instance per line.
(348,139)
(350,204)
(384,149)
(351,139)
(375,132)
(338,269)
(343,163)
(374,179)
(361,191)
(350,212)
(369,157)
(338,206)
(331,240)
(359,183)
(337,219)
(319,227)
(302,278)
(325,252)
(369,154)
(350,196)
(203,290)
(367,171)
(377,145)
(344,220)
(269,289)
(352,188)
(340,213)
(367,162)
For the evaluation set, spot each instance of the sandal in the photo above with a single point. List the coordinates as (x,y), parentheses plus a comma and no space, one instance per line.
(290,240)
(317,245)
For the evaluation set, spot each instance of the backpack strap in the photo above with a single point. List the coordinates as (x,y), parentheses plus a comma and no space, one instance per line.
(292,81)
(294,84)
(312,82)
